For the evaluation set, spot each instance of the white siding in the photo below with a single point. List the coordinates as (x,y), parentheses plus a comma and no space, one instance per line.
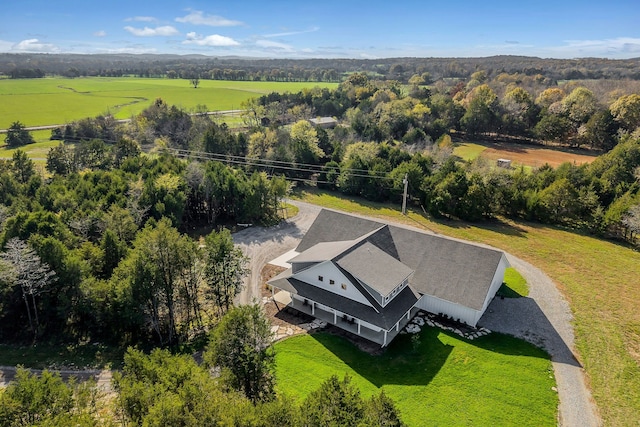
(436,305)
(498,278)
(329,271)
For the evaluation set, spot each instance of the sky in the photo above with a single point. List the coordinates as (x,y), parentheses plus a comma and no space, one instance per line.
(326,29)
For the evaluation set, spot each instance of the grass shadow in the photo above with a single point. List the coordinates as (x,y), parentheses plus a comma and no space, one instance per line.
(406,361)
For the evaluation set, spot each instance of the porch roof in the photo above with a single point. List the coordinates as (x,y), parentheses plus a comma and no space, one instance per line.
(385,318)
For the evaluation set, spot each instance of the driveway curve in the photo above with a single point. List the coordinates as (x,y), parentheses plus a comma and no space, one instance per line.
(543,318)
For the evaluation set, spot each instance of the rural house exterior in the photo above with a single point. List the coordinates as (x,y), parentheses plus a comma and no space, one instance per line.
(371,278)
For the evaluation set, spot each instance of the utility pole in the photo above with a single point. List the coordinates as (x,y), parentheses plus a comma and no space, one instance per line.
(405,181)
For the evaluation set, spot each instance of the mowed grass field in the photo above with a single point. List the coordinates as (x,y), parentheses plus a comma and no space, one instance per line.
(50,101)
(440,379)
(600,279)
(521,154)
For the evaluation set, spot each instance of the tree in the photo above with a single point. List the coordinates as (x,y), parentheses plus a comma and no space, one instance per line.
(195,81)
(60,160)
(626,111)
(631,222)
(26,270)
(225,269)
(336,403)
(156,269)
(381,411)
(241,346)
(23,168)
(17,135)
(304,143)
(46,399)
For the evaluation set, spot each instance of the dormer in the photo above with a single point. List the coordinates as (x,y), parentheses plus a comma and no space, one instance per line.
(380,274)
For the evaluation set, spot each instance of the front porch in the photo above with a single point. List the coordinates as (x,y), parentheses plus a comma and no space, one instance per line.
(344,321)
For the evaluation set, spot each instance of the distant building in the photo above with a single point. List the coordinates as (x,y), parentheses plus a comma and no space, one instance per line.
(324,122)
(371,278)
(504,163)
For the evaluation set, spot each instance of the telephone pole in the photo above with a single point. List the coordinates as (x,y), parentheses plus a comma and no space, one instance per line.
(405,181)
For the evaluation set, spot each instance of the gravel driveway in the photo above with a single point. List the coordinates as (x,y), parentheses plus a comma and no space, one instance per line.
(544,318)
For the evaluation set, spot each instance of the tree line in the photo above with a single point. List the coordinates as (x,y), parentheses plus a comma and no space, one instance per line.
(35,65)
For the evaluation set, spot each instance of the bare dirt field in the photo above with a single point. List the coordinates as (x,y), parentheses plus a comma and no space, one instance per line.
(534,156)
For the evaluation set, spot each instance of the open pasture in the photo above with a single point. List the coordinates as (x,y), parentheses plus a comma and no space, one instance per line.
(522,154)
(37,102)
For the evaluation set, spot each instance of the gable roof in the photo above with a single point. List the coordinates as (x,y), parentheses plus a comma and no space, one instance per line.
(374,267)
(448,269)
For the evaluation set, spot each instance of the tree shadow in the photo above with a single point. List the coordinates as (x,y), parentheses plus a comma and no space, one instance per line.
(257,234)
(407,361)
(523,318)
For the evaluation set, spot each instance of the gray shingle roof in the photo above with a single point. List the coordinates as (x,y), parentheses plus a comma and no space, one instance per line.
(323,251)
(331,226)
(374,267)
(445,268)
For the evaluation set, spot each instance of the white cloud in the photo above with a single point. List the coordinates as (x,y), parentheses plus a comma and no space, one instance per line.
(212,40)
(196,17)
(292,33)
(34,45)
(271,45)
(5,46)
(166,30)
(133,50)
(142,19)
(622,47)
(100,33)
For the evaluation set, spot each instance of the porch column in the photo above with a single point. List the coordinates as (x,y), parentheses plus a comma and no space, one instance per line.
(385,339)
(335,317)
(398,326)
(313,308)
(358,326)
(408,314)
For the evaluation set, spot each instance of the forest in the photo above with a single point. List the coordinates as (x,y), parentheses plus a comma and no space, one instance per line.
(333,70)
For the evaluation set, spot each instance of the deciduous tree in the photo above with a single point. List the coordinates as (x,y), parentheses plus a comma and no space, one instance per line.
(241,345)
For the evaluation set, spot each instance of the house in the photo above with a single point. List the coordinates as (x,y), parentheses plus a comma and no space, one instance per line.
(371,278)
(324,122)
(504,163)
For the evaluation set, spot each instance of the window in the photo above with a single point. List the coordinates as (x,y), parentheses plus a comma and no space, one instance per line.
(320,278)
(332,282)
(344,286)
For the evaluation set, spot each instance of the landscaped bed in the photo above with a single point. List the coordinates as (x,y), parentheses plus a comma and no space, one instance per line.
(434,378)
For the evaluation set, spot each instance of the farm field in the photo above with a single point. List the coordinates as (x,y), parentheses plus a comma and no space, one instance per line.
(37,102)
(521,154)
(434,378)
(598,277)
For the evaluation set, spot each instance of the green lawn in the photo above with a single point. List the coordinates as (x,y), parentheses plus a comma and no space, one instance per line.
(468,150)
(443,380)
(515,286)
(598,277)
(59,100)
